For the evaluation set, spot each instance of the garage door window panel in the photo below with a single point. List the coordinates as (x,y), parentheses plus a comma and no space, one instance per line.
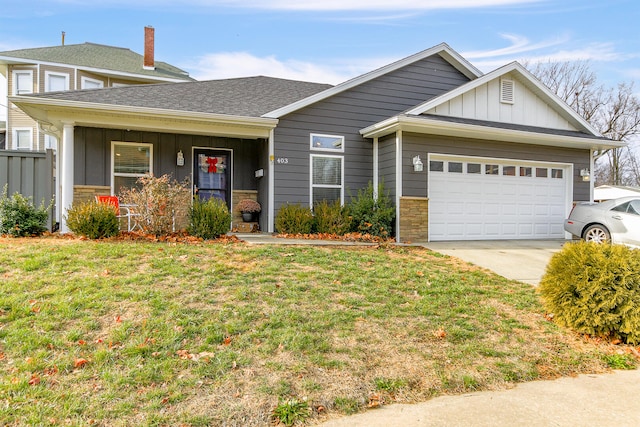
(436,166)
(455,167)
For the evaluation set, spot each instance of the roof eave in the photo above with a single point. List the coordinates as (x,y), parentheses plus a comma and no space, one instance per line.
(472,131)
(55,112)
(102,71)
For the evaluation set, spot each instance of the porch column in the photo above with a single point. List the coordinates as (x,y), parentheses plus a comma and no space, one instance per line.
(271,184)
(66,173)
(398,181)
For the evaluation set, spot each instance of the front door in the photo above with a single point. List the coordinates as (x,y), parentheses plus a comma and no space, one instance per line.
(212,174)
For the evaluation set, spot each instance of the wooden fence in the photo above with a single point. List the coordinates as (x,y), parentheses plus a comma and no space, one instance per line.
(30,173)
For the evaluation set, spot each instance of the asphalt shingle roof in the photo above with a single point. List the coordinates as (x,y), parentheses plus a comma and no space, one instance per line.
(249,96)
(99,56)
(511,126)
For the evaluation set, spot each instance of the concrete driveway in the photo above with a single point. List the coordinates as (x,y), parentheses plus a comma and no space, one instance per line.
(523,260)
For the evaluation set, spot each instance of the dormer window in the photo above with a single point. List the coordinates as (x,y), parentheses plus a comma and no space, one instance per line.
(506,91)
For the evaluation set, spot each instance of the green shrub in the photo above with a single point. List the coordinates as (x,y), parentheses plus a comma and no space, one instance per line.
(93,220)
(162,203)
(209,219)
(331,218)
(19,217)
(372,216)
(595,289)
(294,219)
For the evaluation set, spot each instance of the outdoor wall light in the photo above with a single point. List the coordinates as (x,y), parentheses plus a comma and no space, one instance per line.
(180,159)
(417,164)
(585,174)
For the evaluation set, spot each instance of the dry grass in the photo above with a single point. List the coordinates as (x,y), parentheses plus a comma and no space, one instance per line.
(215,334)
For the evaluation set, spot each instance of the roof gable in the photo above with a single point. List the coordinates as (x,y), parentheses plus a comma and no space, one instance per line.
(532,103)
(442,49)
(95,57)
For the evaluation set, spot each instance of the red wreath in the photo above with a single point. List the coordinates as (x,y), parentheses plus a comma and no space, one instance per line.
(212,162)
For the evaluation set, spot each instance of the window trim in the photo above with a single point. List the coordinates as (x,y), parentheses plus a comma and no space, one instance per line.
(15,74)
(84,80)
(312,185)
(330,150)
(48,74)
(15,139)
(112,172)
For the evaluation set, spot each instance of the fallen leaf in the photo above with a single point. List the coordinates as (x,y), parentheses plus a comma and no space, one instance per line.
(227,341)
(79,363)
(118,319)
(440,333)
(35,379)
(82,342)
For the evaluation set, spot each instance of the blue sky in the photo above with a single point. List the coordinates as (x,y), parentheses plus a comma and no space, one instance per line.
(333,40)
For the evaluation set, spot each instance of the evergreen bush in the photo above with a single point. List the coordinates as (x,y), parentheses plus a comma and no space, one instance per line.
(93,220)
(371,216)
(595,289)
(19,217)
(209,219)
(294,219)
(331,218)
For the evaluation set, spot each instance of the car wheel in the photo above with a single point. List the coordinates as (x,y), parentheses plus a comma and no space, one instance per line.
(596,233)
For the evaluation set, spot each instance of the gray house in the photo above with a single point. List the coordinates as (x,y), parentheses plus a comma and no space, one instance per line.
(464,155)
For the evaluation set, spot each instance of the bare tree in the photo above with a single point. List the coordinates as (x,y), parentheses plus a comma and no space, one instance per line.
(613,111)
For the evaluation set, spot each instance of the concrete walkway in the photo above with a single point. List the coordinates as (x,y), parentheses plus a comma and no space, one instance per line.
(523,260)
(586,400)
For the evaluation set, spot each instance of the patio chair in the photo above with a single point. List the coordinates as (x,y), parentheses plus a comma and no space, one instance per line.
(122,211)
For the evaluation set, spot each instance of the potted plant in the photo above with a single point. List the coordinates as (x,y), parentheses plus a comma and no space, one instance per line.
(249,208)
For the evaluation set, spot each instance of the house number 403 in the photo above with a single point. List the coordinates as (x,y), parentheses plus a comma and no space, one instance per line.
(282,160)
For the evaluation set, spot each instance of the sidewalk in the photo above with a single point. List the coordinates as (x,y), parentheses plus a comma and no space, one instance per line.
(587,400)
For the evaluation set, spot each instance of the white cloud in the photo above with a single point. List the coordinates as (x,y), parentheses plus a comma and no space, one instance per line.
(243,64)
(554,50)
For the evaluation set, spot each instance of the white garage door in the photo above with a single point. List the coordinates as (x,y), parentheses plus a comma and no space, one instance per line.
(491,199)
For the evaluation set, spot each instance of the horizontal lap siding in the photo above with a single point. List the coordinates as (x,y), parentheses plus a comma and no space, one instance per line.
(387,164)
(93,155)
(345,114)
(415,184)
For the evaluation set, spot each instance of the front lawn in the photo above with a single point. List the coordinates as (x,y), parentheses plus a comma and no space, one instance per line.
(137,333)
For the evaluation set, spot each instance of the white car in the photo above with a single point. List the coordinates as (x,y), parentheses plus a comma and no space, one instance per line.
(615,221)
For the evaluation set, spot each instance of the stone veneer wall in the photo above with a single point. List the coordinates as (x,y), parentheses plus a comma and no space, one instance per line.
(414,219)
(236,196)
(83,193)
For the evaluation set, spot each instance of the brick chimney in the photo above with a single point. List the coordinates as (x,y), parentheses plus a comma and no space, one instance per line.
(149,61)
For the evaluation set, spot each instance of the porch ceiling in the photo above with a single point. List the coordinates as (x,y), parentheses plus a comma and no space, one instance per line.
(53,114)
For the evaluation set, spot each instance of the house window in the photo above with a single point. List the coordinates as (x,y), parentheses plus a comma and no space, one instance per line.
(22,139)
(87,83)
(130,161)
(56,82)
(22,82)
(327,142)
(327,177)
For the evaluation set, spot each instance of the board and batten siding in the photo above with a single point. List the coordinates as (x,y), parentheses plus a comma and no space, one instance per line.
(416,185)
(345,114)
(483,103)
(93,154)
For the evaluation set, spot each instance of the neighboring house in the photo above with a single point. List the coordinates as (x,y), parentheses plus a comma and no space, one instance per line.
(72,67)
(463,155)
(3,134)
(608,192)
